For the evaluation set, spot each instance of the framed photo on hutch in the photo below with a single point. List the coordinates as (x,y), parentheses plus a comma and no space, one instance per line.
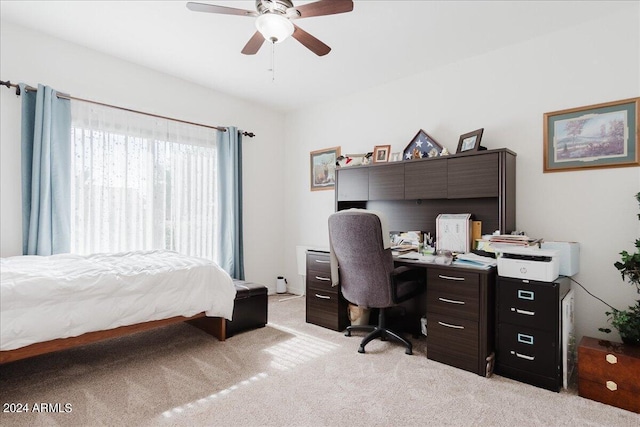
(594,136)
(323,168)
(381,153)
(470,141)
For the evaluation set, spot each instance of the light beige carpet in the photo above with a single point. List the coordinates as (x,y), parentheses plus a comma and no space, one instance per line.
(289,373)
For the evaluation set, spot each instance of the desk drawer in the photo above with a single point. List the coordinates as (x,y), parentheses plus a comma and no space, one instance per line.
(453,341)
(532,304)
(453,294)
(319,280)
(325,308)
(318,261)
(531,350)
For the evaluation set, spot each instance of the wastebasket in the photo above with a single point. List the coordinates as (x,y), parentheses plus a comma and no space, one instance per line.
(358,315)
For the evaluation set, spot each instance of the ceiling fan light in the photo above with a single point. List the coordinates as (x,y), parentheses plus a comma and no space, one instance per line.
(274,27)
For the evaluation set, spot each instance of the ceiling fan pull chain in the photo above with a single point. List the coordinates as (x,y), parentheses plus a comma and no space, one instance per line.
(273,62)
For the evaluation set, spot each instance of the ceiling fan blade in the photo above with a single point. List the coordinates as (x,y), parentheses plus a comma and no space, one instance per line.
(310,42)
(254,44)
(322,7)
(210,8)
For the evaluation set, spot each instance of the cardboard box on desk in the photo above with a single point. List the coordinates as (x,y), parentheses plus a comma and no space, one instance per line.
(453,232)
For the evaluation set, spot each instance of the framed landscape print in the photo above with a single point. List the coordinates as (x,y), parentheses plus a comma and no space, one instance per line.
(594,136)
(323,168)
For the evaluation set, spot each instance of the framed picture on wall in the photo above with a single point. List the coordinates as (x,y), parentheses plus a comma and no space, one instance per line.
(323,168)
(381,153)
(470,141)
(594,136)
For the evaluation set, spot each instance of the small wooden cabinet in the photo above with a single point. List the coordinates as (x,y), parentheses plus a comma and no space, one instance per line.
(609,372)
(459,318)
(528,343)
(325,305)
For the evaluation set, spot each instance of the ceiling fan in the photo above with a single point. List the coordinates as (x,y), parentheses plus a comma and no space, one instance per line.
(273,21)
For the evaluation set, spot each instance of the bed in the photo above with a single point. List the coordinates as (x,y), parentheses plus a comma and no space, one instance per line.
(61,301)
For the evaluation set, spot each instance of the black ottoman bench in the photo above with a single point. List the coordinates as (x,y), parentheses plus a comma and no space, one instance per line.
(249,309)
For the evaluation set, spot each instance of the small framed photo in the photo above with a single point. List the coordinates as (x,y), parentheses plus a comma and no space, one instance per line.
(422,145)
(470,141)
(323,168)
(381,153)
(594,136)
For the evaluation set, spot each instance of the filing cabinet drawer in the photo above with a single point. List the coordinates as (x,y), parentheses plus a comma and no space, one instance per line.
(530,304)
(453,293)
(531,350)
(453,341)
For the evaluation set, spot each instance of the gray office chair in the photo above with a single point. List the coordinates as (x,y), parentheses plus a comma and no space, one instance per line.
(366,272)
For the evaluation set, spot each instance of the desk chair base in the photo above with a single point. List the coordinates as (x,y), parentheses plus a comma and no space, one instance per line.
(378,331)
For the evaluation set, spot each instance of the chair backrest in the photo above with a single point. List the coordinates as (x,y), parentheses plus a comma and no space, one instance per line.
(364,265)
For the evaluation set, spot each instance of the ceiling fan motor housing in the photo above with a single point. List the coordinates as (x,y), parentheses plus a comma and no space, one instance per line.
(274,6)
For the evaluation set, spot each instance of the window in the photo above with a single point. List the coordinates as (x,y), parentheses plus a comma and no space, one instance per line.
(140,182)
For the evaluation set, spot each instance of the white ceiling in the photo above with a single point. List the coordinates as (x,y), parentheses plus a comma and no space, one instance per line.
(379,41)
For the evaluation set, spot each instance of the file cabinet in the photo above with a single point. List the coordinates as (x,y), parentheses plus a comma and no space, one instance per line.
(325,305)
(459,318)
(528,343)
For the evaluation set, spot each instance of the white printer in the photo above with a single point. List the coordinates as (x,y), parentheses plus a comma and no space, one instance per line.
(529,263)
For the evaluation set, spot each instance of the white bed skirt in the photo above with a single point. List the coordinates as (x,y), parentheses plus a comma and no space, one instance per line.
(61,296)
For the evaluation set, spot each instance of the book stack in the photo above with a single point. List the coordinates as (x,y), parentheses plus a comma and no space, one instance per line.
(513,239)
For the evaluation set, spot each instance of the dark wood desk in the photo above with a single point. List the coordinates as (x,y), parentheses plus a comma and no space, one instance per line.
(458,305)
(411,194)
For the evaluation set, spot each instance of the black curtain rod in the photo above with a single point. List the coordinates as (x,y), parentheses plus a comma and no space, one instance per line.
(9,85)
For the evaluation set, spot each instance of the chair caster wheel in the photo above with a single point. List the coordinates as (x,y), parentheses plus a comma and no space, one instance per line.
(408,351)
(347,334)
(361,349)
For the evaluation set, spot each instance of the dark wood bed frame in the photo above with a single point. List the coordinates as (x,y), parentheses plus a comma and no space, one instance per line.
(215,326)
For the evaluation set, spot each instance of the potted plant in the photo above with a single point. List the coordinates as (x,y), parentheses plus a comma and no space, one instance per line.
(627,322)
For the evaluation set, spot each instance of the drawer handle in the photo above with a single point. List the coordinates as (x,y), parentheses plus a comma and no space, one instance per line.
(611,359)
(528,313)
(528,295)
(321,261)
(324,279)
(523,356)
(323,296)
(450,277)
(448,325)
(525,339)
(451,301)
(612,386)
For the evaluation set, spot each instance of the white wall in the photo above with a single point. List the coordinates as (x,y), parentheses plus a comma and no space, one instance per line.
(506,92)
(33,58)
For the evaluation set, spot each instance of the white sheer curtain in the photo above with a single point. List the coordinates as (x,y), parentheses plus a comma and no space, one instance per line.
(140,182)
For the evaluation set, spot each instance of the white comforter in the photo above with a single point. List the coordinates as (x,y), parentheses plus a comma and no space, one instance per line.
(60,296)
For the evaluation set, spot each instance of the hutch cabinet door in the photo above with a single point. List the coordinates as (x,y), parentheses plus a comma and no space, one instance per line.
(386,182)
(474,176)
(352,184)
(426,180)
